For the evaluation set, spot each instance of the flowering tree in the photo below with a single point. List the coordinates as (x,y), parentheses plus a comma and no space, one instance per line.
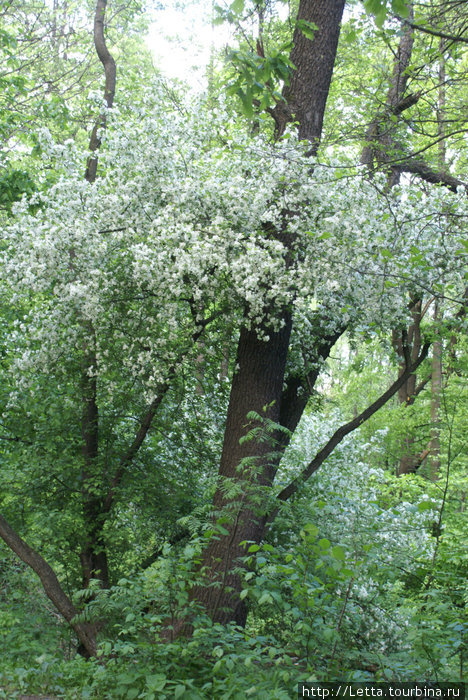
(194,230)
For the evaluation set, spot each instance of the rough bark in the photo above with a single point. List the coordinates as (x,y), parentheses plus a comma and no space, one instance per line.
(256,386)
(306,95)
(381,145)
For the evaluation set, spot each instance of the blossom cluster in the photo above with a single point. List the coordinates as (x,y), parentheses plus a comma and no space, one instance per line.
(192,218)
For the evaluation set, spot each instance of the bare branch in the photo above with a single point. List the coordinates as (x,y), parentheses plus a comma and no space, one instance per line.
(419,167)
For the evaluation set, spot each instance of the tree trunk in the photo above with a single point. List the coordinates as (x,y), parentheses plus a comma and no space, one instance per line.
(93,556)
(436,369)
(381,142)
(85,632)
(307,93)
(258,380)
(408,392)
(256,386)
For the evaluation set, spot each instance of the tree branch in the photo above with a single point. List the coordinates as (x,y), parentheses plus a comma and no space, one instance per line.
(294,397)
(136,444)
(50,583)
(419,167)
(406,103)
(421,386)
(146,421)
(344,430)
(434,32)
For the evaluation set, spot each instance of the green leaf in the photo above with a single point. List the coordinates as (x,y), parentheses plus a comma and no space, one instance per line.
(311,529)
(338,553)
(307,28)
(265,598)
(253,548)
(400,7)
(378,8)
(237,6)
(425,505)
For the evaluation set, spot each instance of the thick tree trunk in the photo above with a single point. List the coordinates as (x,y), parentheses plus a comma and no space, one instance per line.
(256,386)
(258,380)
(307,93)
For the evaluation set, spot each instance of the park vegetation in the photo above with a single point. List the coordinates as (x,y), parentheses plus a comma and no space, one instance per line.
(233,402)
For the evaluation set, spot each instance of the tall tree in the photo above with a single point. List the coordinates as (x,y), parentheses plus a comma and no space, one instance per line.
(191,229)
(261,361)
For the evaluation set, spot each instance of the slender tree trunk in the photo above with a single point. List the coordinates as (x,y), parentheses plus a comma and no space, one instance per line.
(381,144)
(93,556)
(436,390)
(408,392)
(85,632)
(436,370)
(382,148)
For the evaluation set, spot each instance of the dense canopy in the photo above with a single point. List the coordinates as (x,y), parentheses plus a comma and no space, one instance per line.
(233,352)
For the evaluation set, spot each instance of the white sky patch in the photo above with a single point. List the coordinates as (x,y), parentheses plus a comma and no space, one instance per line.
(182,40)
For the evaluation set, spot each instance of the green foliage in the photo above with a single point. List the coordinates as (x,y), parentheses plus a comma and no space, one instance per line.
(363,576)
(13,185)
(257,79)
(346,586)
